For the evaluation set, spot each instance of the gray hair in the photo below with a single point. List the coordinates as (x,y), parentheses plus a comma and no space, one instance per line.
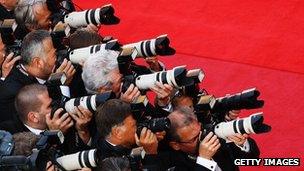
(25,12)
(97,68)
(32,46)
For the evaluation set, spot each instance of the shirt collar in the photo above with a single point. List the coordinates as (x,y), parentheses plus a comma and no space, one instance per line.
(34,130)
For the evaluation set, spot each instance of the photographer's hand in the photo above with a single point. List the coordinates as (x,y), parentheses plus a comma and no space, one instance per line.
(82,118)
(62,123)
(147,140)
(238,139)
(131,94)
(68,69)
(153,63)
(231,115)
(163,92)
(209,146)
(8,64)
(160,135)
(92,28)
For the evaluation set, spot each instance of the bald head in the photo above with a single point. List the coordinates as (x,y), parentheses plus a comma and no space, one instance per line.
(180,118)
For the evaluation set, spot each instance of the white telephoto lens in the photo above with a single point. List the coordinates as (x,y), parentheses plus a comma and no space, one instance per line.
(145,82)
(224,129)
(76,19)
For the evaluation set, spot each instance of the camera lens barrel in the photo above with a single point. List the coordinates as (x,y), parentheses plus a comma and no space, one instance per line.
(79,160)
(175,77)
(249,125)
(87,102)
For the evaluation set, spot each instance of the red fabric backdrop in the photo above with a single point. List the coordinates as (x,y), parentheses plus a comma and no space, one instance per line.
(239,45)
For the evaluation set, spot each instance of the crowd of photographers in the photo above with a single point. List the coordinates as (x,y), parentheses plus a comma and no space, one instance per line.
(71,99)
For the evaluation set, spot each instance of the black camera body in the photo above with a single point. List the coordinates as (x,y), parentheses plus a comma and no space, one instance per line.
(154,124)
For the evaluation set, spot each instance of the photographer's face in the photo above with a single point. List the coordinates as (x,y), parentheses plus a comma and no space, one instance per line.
(8,4)
(189,137)
(115,79)
(42,16)
(45,108)
(48,64)
(128,130)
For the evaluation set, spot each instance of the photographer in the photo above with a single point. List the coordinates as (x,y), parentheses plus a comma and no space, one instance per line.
(180,100)
(34,14)
(37,63)
(117,129)
(101,73)
(194,150)
(34,109)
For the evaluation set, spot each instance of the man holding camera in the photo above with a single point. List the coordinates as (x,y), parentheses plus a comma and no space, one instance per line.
(101,73)
(193,150)
(34,108)
(118,133)
(37,64)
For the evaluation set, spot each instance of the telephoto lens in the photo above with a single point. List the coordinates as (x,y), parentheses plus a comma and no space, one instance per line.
(77,56)
(88,102)
(104,15)
(177,77)
(148,48)
(249,125)
(79,160)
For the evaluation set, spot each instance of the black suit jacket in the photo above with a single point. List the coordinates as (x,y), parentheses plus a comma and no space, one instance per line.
(224,157)
(4,14)
(150,162)
(11,86)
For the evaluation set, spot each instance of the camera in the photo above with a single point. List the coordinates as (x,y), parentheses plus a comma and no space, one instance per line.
(79,160)
(11,36)
(80,55)
(57,6)
(216,108)
(177,77)
(60,98)
(88,102)
(252,124)
(44,151)
(148,48)
(104,15)
(154,124)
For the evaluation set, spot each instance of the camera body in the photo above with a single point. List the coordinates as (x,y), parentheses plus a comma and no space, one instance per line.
(153,124)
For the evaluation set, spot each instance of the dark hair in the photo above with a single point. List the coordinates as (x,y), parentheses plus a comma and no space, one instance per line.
(24,143)
(111,113)
(27,100)
(84,38)
(185,118)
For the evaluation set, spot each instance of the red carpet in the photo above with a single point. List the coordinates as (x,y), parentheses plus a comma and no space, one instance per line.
(239,45)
